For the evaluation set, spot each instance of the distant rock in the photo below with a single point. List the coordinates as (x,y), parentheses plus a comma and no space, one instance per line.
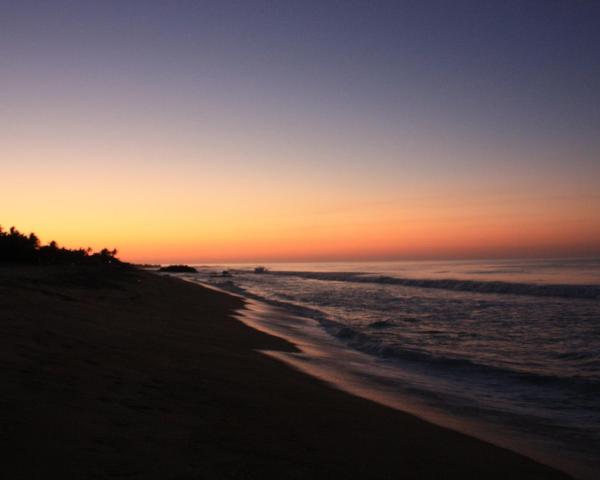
(260,270)
(178,269)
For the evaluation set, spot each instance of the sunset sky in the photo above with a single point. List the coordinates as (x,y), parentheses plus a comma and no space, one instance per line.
(200,131)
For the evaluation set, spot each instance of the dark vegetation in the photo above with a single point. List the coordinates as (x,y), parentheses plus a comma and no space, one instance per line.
(178,269)
(19,248)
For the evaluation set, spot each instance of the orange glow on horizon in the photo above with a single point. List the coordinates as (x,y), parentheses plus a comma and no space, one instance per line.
(391,232)
(198,212)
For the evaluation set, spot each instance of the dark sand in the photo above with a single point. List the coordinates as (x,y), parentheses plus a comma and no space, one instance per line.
(119,374)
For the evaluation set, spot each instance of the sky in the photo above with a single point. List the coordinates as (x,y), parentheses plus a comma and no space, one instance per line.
(227,131)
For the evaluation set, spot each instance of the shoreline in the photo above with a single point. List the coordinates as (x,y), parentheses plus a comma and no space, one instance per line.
(140,375)
(326,358)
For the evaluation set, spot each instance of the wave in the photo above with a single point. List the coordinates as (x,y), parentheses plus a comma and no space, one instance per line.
(362,340)
(293,308)
(591,292)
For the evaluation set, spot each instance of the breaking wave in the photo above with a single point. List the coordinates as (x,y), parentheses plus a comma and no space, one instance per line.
(492,287)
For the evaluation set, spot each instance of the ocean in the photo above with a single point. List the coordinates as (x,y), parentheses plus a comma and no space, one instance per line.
(505,350)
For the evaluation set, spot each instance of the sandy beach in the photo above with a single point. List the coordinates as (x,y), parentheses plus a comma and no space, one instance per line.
(111,372)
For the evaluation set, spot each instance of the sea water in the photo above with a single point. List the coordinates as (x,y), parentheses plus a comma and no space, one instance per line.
(507,350)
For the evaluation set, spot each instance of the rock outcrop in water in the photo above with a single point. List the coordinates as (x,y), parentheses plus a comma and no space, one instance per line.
(178,269)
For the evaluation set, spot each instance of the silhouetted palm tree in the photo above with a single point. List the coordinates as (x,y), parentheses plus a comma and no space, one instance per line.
(16,247)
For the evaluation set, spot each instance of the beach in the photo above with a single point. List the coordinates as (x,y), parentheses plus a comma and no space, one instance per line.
(117,372)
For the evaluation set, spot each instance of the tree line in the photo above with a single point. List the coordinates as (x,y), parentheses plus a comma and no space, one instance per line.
(17,247)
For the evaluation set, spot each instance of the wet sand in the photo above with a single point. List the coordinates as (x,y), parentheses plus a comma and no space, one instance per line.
(126,374)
